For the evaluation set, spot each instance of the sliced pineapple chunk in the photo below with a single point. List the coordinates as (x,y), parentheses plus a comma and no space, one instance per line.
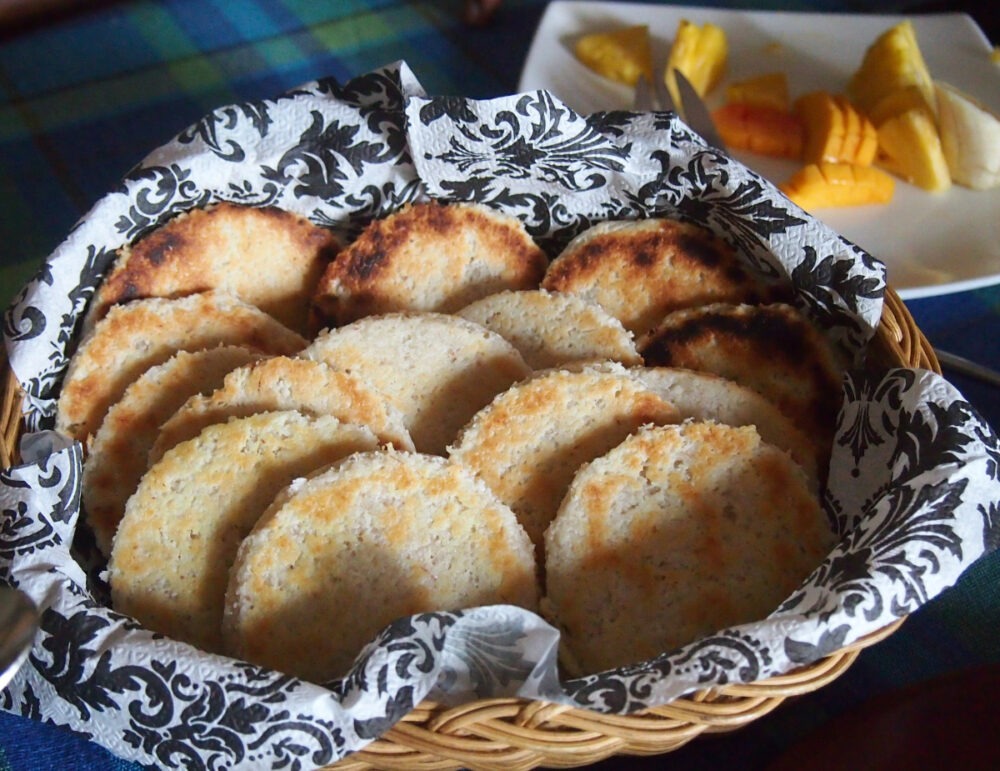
(910,148)
(970,138)
(892,64)
(621,54)
(897,102)
(701,53)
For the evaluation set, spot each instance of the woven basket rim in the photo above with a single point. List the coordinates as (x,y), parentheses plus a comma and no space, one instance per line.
(518,734)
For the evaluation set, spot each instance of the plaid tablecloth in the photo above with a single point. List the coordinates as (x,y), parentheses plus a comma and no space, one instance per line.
(87,93)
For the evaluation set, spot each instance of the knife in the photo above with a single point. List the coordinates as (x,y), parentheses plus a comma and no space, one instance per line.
(695,112)
(963,366)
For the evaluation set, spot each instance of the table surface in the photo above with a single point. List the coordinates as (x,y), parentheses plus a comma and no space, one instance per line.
(89,88)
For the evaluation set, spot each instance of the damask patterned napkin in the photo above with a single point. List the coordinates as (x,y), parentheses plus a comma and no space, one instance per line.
(913,489)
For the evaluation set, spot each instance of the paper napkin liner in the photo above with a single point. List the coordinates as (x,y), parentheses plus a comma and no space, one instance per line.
(913,484)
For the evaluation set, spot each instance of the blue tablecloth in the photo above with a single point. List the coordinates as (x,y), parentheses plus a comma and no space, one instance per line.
(86,94)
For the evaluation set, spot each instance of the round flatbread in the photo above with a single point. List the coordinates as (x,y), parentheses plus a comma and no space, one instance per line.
(437,370)
(530,441)
(428,257)
(136,336)
(286,383)
(551,329)
(118,454)
(704,396)
(679,532)
(401,532)
(171,555)
(265,256)
(772,349)
(641,270)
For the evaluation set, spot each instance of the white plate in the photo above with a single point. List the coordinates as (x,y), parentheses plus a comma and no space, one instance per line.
(932,243)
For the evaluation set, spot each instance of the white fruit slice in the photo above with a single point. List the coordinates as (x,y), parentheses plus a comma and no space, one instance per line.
(970,138)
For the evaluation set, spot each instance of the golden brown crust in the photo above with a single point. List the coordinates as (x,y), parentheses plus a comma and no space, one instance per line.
(705,396)
(138,335)
(285,383)
(118,453)
(378,536)
(678,532)
(553,328)
(436,369)
(772,349)
(640,271)
(266,256)
(529,441)
(428,257)
(171,555)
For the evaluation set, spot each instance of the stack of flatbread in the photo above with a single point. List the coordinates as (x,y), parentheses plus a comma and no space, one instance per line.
(629,438)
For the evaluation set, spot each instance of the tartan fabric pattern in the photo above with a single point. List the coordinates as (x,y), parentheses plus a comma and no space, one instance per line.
(73,121)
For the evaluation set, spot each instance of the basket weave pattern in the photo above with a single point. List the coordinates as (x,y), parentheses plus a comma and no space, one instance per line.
(517,734)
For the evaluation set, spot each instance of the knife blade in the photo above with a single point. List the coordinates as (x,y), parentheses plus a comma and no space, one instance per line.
(695,112)
(643,99)
(663,96)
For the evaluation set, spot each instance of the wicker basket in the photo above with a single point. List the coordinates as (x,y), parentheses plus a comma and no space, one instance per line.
(512,734)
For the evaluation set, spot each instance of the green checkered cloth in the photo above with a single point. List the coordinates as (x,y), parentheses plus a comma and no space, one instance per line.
(86,98)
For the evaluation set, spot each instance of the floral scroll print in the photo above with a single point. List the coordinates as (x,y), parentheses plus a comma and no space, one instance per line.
(912,487)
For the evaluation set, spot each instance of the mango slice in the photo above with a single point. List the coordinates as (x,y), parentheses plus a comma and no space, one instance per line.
(830,184)
(835,130)
(767,90)
(759,129)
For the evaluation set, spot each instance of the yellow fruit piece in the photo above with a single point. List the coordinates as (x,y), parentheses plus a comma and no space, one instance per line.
(621,54)
(767,90)
(830,184)
(835,130)
(700,53)
(890,64)
(897,102)
(970,138)
(910,148)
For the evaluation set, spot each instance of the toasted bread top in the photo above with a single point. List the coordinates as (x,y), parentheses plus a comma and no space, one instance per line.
(641,270)
(286,383)
(378,536)
(135,336)
(172,553)
(530,440)
(773,349)
(434,368)
(704,396)
(266,256)
(552,328)
(118,453)
(428,257)
(678,532)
